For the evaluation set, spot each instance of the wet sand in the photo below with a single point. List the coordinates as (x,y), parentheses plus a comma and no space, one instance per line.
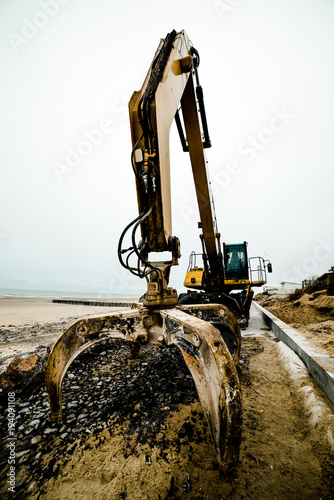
(21,311)
(26,324)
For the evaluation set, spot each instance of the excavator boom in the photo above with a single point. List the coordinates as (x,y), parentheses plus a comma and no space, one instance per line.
(172,84)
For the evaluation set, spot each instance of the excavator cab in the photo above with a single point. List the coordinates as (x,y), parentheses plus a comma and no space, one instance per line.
(238,271)
(231,284)
(236,262)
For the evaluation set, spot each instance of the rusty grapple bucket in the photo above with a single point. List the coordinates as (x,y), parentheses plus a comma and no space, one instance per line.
(208,336)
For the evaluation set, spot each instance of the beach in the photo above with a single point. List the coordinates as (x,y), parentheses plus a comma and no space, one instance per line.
(133,427)
(24,310)
(28,323)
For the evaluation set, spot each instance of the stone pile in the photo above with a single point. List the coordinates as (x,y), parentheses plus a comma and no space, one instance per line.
(104,387)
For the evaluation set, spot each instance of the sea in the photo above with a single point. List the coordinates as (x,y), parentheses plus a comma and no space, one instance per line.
(7,293)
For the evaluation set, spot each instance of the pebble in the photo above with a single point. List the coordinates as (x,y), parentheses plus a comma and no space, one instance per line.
(24,410)
(34,423)
(35,439)
(50,431)
(72,405)
(21,453)
(32,485)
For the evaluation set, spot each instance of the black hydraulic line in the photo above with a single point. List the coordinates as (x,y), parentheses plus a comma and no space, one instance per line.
(143,123)
(200,99)
(196,60)
(128,257)
(120,242)
(139,220)
(133,234)
(158,68)
(143,274)
(134,270)
(199,94)
(204,255)
(183,140)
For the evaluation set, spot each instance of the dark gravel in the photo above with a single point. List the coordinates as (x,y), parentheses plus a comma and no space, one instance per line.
(104,386)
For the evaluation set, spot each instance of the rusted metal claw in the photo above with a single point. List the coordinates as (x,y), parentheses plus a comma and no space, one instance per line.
(214,372)
(221,318)
(199,332)
(78,337)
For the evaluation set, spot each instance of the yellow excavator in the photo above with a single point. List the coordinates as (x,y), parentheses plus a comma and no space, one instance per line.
(172,85)
(204,322)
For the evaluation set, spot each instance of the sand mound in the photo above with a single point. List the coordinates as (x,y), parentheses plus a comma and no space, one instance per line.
(311,314)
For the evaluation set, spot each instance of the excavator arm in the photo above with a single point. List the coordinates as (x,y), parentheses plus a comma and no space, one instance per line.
(171,84)
(170,87)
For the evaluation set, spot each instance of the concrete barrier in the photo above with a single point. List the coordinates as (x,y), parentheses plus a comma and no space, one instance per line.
(320,364)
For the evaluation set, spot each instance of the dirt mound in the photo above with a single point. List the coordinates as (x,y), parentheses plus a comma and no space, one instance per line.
(311,314)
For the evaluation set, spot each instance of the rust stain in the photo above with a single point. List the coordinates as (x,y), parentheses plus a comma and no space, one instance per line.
(28,364)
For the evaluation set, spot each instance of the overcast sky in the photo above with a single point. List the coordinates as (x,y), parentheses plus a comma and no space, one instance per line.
(68,69)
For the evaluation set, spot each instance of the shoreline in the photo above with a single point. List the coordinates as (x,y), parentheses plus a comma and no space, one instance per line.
(19,311)
(28,324)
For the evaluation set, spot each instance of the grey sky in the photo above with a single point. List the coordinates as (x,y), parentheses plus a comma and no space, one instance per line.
(68,69)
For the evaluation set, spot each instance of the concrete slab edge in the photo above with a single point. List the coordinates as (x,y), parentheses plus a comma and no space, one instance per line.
(319,364)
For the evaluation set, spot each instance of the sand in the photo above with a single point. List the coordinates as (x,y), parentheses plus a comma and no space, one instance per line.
(20,311)
(28,323)
(311,314)
(283,453)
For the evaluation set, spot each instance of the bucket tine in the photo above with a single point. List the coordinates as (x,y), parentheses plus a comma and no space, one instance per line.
(78,337)
(215,375)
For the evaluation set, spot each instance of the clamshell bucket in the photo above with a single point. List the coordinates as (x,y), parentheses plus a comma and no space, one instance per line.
(208,337)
